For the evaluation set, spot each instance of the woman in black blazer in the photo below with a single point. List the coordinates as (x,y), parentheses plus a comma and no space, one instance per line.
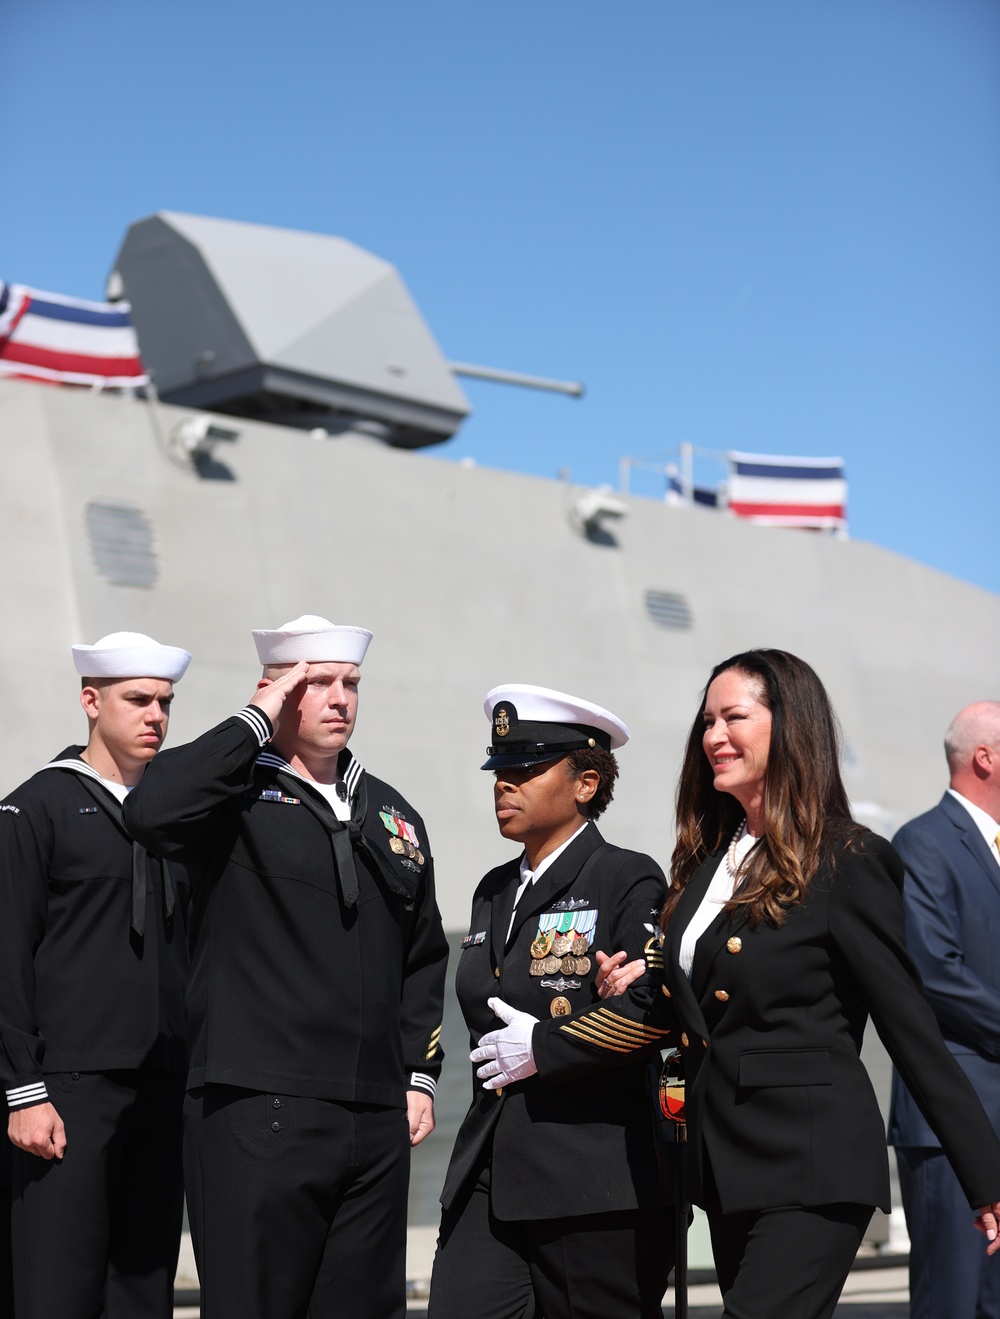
(553,1202)
(784,931)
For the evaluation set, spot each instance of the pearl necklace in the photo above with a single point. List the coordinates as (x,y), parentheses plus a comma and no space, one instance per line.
(731,863)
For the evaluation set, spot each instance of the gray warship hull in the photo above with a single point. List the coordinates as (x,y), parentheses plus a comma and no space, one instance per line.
(468,577)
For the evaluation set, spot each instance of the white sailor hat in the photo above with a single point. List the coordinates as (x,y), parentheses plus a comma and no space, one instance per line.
(535,724)
(130,655)
(314,639)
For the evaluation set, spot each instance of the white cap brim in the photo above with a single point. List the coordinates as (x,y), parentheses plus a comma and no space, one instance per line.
(130,655)
(313,639)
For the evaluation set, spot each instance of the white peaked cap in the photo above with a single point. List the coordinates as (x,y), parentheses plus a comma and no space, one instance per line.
(130,655)
(313,639)
(542,705)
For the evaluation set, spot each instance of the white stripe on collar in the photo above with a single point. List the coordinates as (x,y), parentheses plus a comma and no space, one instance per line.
(351,775)
(80,766)
(118,790)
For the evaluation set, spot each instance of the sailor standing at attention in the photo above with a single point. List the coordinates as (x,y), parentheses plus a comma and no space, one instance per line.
(317,980)
(93,960)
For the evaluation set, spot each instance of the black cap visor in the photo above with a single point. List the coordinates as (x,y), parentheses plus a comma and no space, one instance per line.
(511,758)
(518,742)
(519,755)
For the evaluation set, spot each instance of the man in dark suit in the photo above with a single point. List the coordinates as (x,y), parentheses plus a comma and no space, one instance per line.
(952,899)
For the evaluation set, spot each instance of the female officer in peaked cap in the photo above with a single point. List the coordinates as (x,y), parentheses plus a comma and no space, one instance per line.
(553,1202)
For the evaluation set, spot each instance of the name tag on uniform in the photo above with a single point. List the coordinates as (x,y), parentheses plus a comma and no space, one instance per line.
(472,940)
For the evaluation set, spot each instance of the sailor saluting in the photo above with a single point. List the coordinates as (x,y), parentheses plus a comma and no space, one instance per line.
(93,960)
(317,979)
(553,1192)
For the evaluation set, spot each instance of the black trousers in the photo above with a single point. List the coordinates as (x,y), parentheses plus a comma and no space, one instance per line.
(951,1276)
(591,1266)
(6,1271)
(297,1206)
(97,1233)
(784,1263)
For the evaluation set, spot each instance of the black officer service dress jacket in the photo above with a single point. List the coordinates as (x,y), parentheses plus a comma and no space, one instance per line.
(778,1099)
(79,989)
(295,988)
(576,1147)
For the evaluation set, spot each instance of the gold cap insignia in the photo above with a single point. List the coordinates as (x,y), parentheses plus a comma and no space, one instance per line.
(501,721)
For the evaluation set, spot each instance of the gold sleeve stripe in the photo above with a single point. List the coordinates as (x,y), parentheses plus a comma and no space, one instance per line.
(618,1020)
(629,1036)
(630,1040)
(613,1047)
(587,1030)
(606,1038)
(433,1043)
(636,1041)
(607,1015)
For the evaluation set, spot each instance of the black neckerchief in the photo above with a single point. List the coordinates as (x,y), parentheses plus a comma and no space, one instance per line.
(346,836)
(143,862)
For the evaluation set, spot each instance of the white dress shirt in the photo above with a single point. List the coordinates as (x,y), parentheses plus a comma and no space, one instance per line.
(984,822)
(719,891)
(118,790)
(529,876)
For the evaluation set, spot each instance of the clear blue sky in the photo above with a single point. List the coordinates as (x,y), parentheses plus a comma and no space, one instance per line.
(758,224)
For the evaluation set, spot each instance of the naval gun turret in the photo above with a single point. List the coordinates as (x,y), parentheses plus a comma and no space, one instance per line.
(299,329)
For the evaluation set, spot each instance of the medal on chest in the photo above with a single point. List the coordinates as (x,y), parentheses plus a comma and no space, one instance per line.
(561,945)
(403,838)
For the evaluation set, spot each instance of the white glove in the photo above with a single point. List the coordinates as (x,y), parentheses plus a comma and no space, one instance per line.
(507,1053)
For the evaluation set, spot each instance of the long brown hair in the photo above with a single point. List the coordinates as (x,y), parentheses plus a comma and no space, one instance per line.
(806,808)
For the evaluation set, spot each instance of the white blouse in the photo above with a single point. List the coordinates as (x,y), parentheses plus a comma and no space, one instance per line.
(719,891)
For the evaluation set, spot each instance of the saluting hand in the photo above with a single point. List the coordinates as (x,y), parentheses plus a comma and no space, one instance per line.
(272,693)
(987,1220)
(38,1130)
